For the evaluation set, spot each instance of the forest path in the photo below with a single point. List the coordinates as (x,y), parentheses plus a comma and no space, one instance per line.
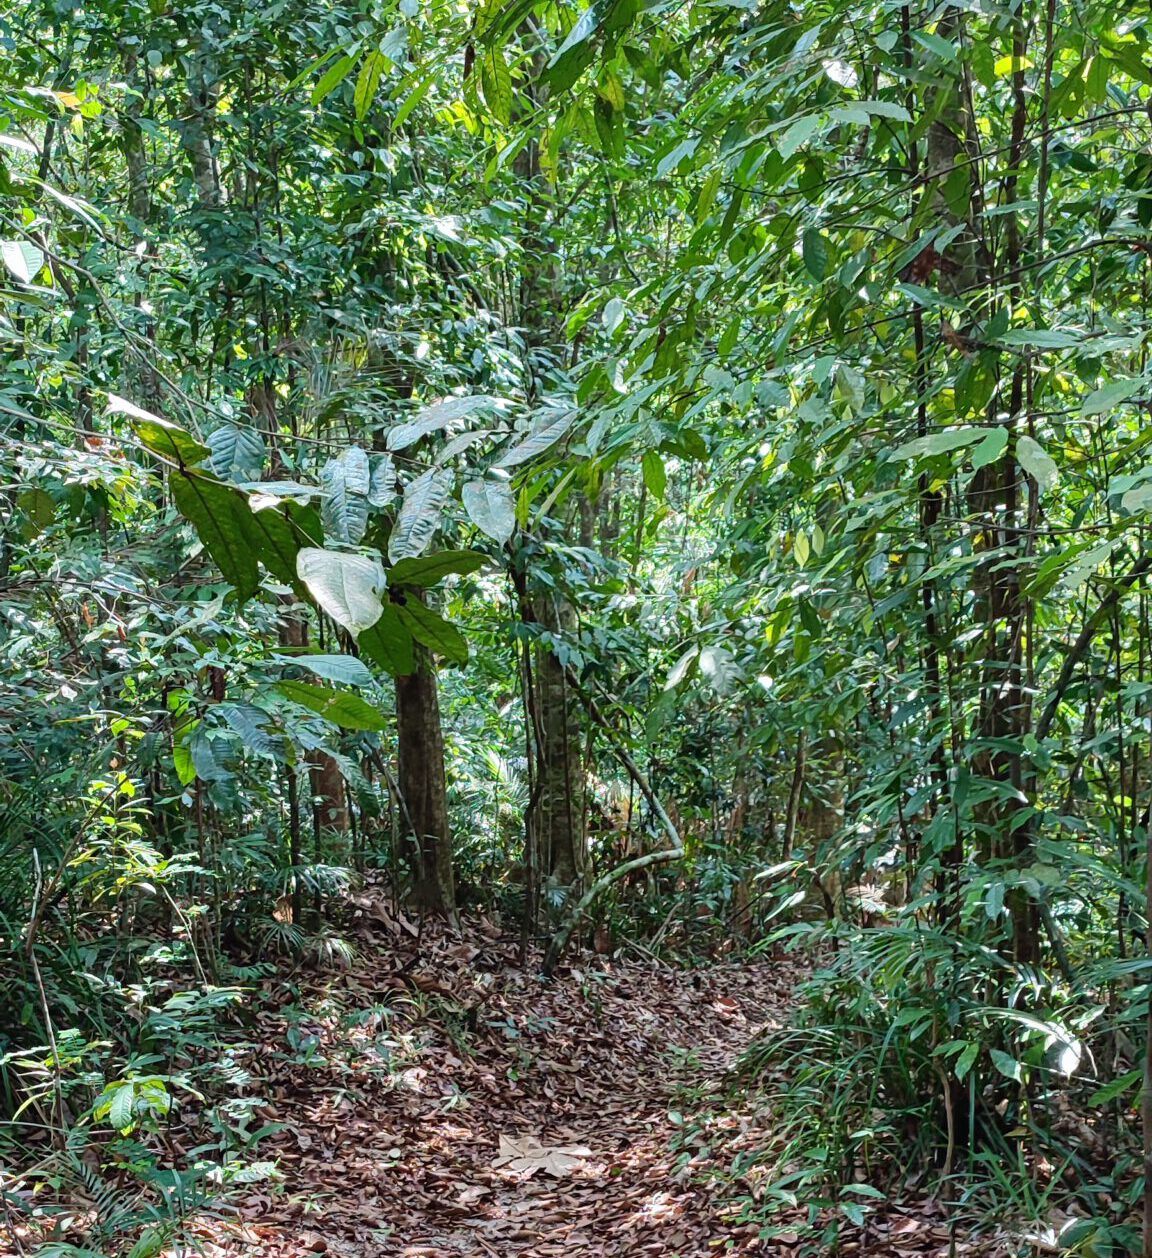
(601,1089)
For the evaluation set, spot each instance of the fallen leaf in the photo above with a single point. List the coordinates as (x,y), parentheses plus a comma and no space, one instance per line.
(526,1155)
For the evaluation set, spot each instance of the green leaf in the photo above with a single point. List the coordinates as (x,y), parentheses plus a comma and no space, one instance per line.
(654,473)
(491,508)
(439,415)
(1040,338)
(814,249)
(797,135)
(991,448)
(166,439)
(937,443)
(1007,1065)
(419,514)
(575,54)
(1109,396)
(367,83)
(236,452)
(249,721)
(853,1211)
(553,424)
(348,711)
(347,587)
(432,630)
(23,259)
(275,541)
(122,1111)
(432,568)
(347,483)
(1036,461)
(1110,1091)
(345,669)
(331,79)
(220,516)
(681,668)
(382,480)
(966,1060)
(497,84)
(388,644)
(182,763)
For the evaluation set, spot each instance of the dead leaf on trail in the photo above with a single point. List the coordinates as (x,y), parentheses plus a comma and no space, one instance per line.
(526,1155)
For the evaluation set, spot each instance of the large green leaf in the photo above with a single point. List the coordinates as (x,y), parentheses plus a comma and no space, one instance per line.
(249,722)
(1111,395)
(437,416)
(938,443)
(345,669)
(1036,461)
(347,483)
(432,568)
(166,439)
(348,711)
(221,518)
(389,644)
(432,630)
(331,79)
(347,587)
(274,540)
(553,424)
(236,452)
(22,258)
(419,515)
(491,508)
(367,83)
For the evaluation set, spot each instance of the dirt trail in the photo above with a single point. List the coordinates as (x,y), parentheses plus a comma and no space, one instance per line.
(394,1124)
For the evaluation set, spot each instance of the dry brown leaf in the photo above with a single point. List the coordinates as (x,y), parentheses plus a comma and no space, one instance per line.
(526,1155)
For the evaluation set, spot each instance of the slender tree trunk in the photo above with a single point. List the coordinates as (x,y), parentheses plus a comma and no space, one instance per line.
(559,820)
(422,786)
(558,823)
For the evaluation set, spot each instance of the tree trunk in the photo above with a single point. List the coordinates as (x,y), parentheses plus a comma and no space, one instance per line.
(559,820)
(422,787)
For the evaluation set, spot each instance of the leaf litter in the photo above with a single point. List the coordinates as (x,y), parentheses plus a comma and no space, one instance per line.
(437,1098)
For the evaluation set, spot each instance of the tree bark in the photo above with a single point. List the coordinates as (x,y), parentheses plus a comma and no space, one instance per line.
(422,786)
(559,820)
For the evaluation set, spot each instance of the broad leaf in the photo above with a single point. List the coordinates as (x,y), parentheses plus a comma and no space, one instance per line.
(166,439)
(937,443)
(274,540)
(1104,399)
(432,568)
(491,508)
(382,480)
(419,515)
(347,587)
(1037,462)
(345,669)
(389,644)
(991,448)
(249,722)
(553,424)
(432,630)
(236,452)
(220,516)
(23,259)
(348,711)
(437,416)
(347,482)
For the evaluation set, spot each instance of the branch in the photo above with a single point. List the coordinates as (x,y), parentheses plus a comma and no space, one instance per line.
(560,938)
(1080,647)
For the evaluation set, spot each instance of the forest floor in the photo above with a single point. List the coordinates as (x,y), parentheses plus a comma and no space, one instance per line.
(491,1113)
(498,1114)
(436,1098)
